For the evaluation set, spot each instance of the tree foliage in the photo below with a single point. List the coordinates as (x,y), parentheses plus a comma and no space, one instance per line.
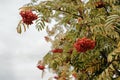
(98,20)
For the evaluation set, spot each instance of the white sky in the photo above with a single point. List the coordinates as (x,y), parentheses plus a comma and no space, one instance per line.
(19,53)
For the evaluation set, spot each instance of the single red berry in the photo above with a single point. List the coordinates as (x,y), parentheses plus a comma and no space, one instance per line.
(41,67)
(56,77)
(74,75)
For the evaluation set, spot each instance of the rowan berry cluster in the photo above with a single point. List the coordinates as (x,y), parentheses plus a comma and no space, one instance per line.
(84,44)
(28,17)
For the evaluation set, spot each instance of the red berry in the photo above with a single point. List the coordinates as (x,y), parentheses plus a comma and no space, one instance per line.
(84,44)
(56,77)
(41,67)
(74,75)
(57,50)
(99,4)
(28,17)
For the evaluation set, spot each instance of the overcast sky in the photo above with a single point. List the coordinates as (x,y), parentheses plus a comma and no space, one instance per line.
(19,53)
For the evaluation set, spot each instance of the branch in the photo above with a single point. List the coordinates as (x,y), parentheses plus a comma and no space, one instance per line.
(100,72)
(59,9)
(67,12)
(107,13)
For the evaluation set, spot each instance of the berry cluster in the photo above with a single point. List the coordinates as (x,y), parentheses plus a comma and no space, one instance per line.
(28,17)
(57,50)
(84,44)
